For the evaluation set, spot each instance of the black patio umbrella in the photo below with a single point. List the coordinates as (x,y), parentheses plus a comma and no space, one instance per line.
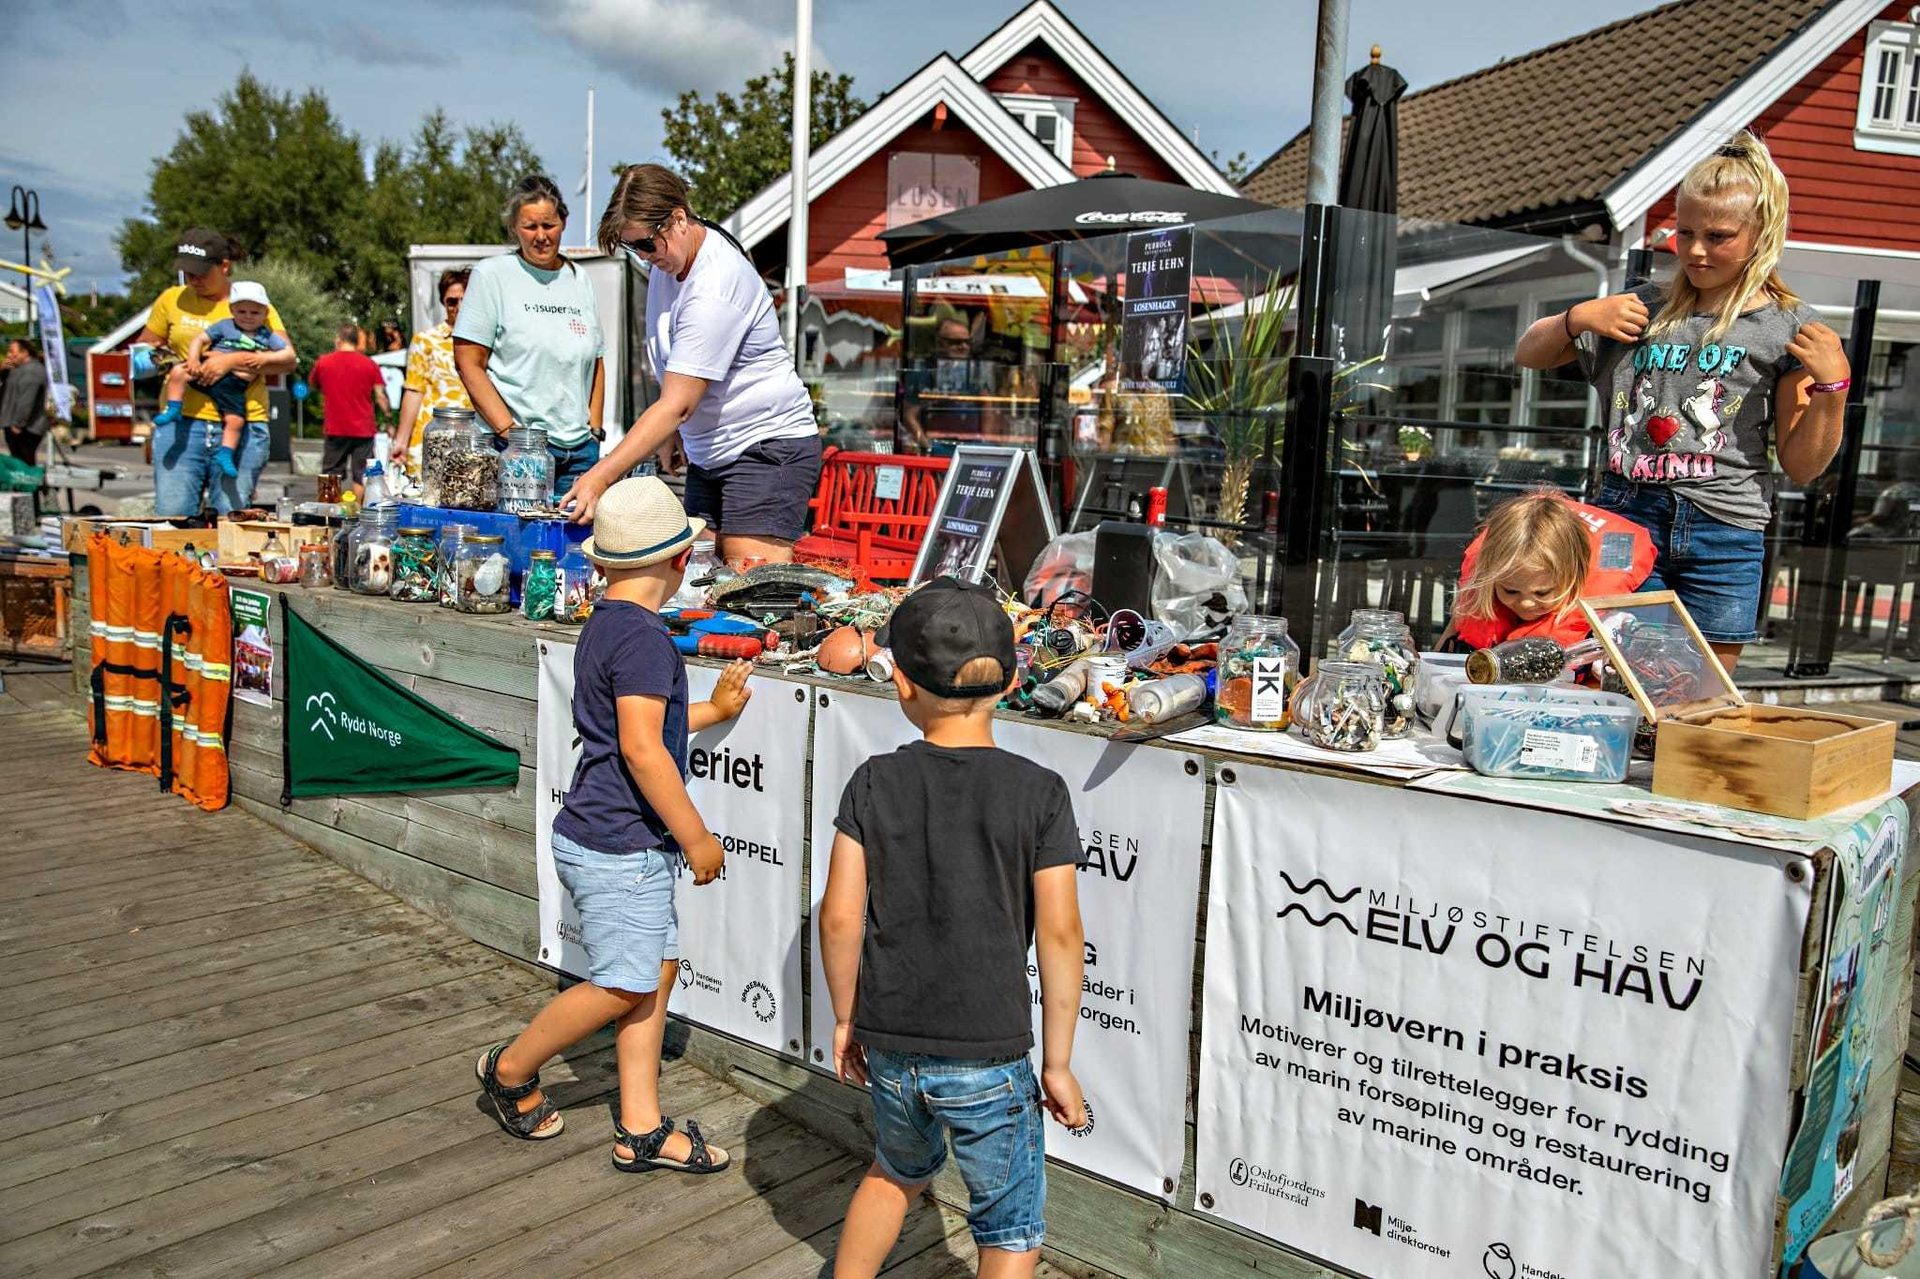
(1096,206)
(1370,181)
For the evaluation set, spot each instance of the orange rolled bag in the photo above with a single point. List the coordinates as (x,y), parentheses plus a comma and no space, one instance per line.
(162,673)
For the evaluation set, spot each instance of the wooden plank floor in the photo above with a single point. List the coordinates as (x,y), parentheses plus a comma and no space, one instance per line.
(222,1054)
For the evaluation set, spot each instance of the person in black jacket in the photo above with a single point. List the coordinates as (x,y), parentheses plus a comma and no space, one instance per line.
(23,403)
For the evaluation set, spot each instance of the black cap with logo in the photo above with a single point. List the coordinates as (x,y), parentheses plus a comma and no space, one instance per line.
(941,627)
(200,250)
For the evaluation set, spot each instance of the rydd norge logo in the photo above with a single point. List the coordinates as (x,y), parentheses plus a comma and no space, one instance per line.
(324,717)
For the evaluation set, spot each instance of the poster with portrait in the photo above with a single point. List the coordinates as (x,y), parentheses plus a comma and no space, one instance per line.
(1153,333)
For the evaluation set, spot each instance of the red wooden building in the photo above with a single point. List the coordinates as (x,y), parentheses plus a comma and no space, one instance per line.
(1033,104)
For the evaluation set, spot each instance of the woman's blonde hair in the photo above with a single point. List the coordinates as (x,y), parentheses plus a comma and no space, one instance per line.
(1743,168)
(1535,531)
(645,193)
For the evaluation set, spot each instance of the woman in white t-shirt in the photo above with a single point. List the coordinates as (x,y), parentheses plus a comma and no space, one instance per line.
(727,384)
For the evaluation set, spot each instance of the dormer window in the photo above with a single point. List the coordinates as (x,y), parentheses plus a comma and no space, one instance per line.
(1889,114)
(1049,120)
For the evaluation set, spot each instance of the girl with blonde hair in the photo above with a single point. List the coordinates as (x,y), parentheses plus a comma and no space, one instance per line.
(1533,561)
(1700,380)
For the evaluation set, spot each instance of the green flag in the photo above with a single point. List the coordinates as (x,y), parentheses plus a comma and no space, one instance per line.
(349,729)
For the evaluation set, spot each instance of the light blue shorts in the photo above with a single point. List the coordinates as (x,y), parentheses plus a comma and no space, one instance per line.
(628,924)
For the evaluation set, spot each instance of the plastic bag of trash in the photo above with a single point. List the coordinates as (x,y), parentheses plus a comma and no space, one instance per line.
(1196,582)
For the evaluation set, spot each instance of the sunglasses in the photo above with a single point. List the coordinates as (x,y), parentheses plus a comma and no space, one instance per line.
(450,302)
(646,244)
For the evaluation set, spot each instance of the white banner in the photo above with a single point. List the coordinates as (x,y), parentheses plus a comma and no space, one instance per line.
(1452,1038)
(1140,812)
(53,349)
(740,935)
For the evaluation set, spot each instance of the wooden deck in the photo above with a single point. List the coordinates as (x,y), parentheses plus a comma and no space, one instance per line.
(223,1054)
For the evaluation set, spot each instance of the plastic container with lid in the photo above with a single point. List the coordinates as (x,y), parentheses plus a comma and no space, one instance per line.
(1381,636)
(481,576)
(448,432)
(541,587)
(415,561)
(1341,705)
(1259,670)
(1547,732)
(370,550)
(699,565)
(526,472)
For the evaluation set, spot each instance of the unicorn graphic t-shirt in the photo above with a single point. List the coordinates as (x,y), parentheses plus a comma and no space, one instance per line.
(1694,414)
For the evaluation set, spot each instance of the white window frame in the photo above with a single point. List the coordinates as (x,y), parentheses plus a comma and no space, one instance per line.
(1899,135)
(1030,107)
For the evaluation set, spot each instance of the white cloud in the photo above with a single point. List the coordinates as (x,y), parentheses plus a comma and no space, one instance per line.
(680,44)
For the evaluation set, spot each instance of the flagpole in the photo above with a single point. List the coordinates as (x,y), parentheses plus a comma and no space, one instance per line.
(802,130)
(587,209)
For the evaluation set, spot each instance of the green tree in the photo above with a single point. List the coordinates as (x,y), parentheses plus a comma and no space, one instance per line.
(729,148)
(1236,169)
(442,186)
(312,314)
(276,171)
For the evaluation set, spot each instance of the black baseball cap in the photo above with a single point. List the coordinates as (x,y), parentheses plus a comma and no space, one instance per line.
(941,627)
(199,250)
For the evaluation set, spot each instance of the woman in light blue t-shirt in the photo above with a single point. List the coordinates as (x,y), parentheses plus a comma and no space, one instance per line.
(527,344)
(728,390)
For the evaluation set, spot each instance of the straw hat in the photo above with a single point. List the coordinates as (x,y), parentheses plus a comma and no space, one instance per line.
(639,522)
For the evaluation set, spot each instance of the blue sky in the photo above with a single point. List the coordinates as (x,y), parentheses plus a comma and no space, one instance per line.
(116,78)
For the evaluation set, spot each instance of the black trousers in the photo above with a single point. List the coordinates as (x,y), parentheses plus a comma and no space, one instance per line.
(24,445)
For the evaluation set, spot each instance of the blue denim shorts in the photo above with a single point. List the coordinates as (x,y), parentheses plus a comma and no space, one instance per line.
(184,470)
(1714,567)
(762,493)
(628,924)
(992,1110)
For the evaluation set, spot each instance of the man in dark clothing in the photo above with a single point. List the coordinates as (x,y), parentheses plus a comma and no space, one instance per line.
(23,404)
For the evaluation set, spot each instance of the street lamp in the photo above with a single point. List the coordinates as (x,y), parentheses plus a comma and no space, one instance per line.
(23,215)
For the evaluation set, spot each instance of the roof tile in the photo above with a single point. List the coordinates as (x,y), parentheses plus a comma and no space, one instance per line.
(1510,139)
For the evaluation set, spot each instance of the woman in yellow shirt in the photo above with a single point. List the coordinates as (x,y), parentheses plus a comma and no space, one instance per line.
(183,450)
(431,382)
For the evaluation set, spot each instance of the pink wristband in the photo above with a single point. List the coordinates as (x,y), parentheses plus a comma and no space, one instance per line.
(1829,388)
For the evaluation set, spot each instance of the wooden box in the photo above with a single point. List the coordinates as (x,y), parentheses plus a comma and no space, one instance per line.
(75,532)
(33,605)
(240,539)
(1710,744)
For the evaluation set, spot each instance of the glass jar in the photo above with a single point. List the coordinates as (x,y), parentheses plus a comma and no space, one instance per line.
(1341,705)
(370,550)
(451,536)
(341,543)
(540,588)
(469,471)
(699,565)
(574,595)
(526,472)
(316,565)
(1381,636)
(414,558)
(1259,667)
(448,432)
(482,576)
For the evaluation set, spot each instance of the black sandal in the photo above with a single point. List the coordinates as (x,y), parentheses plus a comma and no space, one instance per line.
(646,1150)
(506,1099)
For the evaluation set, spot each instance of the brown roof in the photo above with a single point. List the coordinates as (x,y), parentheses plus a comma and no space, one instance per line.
(1558,126)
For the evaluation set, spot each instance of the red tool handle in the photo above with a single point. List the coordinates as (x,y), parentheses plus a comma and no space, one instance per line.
(732,646)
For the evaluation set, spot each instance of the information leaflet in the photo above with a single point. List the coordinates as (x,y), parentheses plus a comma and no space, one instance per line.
(1139,813)
(740,935)
(1433,1048)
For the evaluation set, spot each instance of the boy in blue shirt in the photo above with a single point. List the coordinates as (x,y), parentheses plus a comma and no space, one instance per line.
(952,855)
(623,830)
(245,330)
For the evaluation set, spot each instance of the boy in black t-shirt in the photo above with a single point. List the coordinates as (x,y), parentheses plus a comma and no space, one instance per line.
(952,855)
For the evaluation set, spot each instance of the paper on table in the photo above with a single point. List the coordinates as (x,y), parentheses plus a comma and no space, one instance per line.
(1633,803)
(1405,758)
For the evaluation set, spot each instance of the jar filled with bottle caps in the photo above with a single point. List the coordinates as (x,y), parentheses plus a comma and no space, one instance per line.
(526,472)
(370,550)
(1381,636)
(540,587)
(414,560)
(1259,668)
(1341,705)
(316,565)
(448,432)
(481,575)
(574,589)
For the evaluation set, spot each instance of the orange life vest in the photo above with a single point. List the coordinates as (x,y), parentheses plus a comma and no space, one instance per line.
(1620,558)
(162,646)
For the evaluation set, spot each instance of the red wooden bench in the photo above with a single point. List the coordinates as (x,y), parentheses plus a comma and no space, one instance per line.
(879,535)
